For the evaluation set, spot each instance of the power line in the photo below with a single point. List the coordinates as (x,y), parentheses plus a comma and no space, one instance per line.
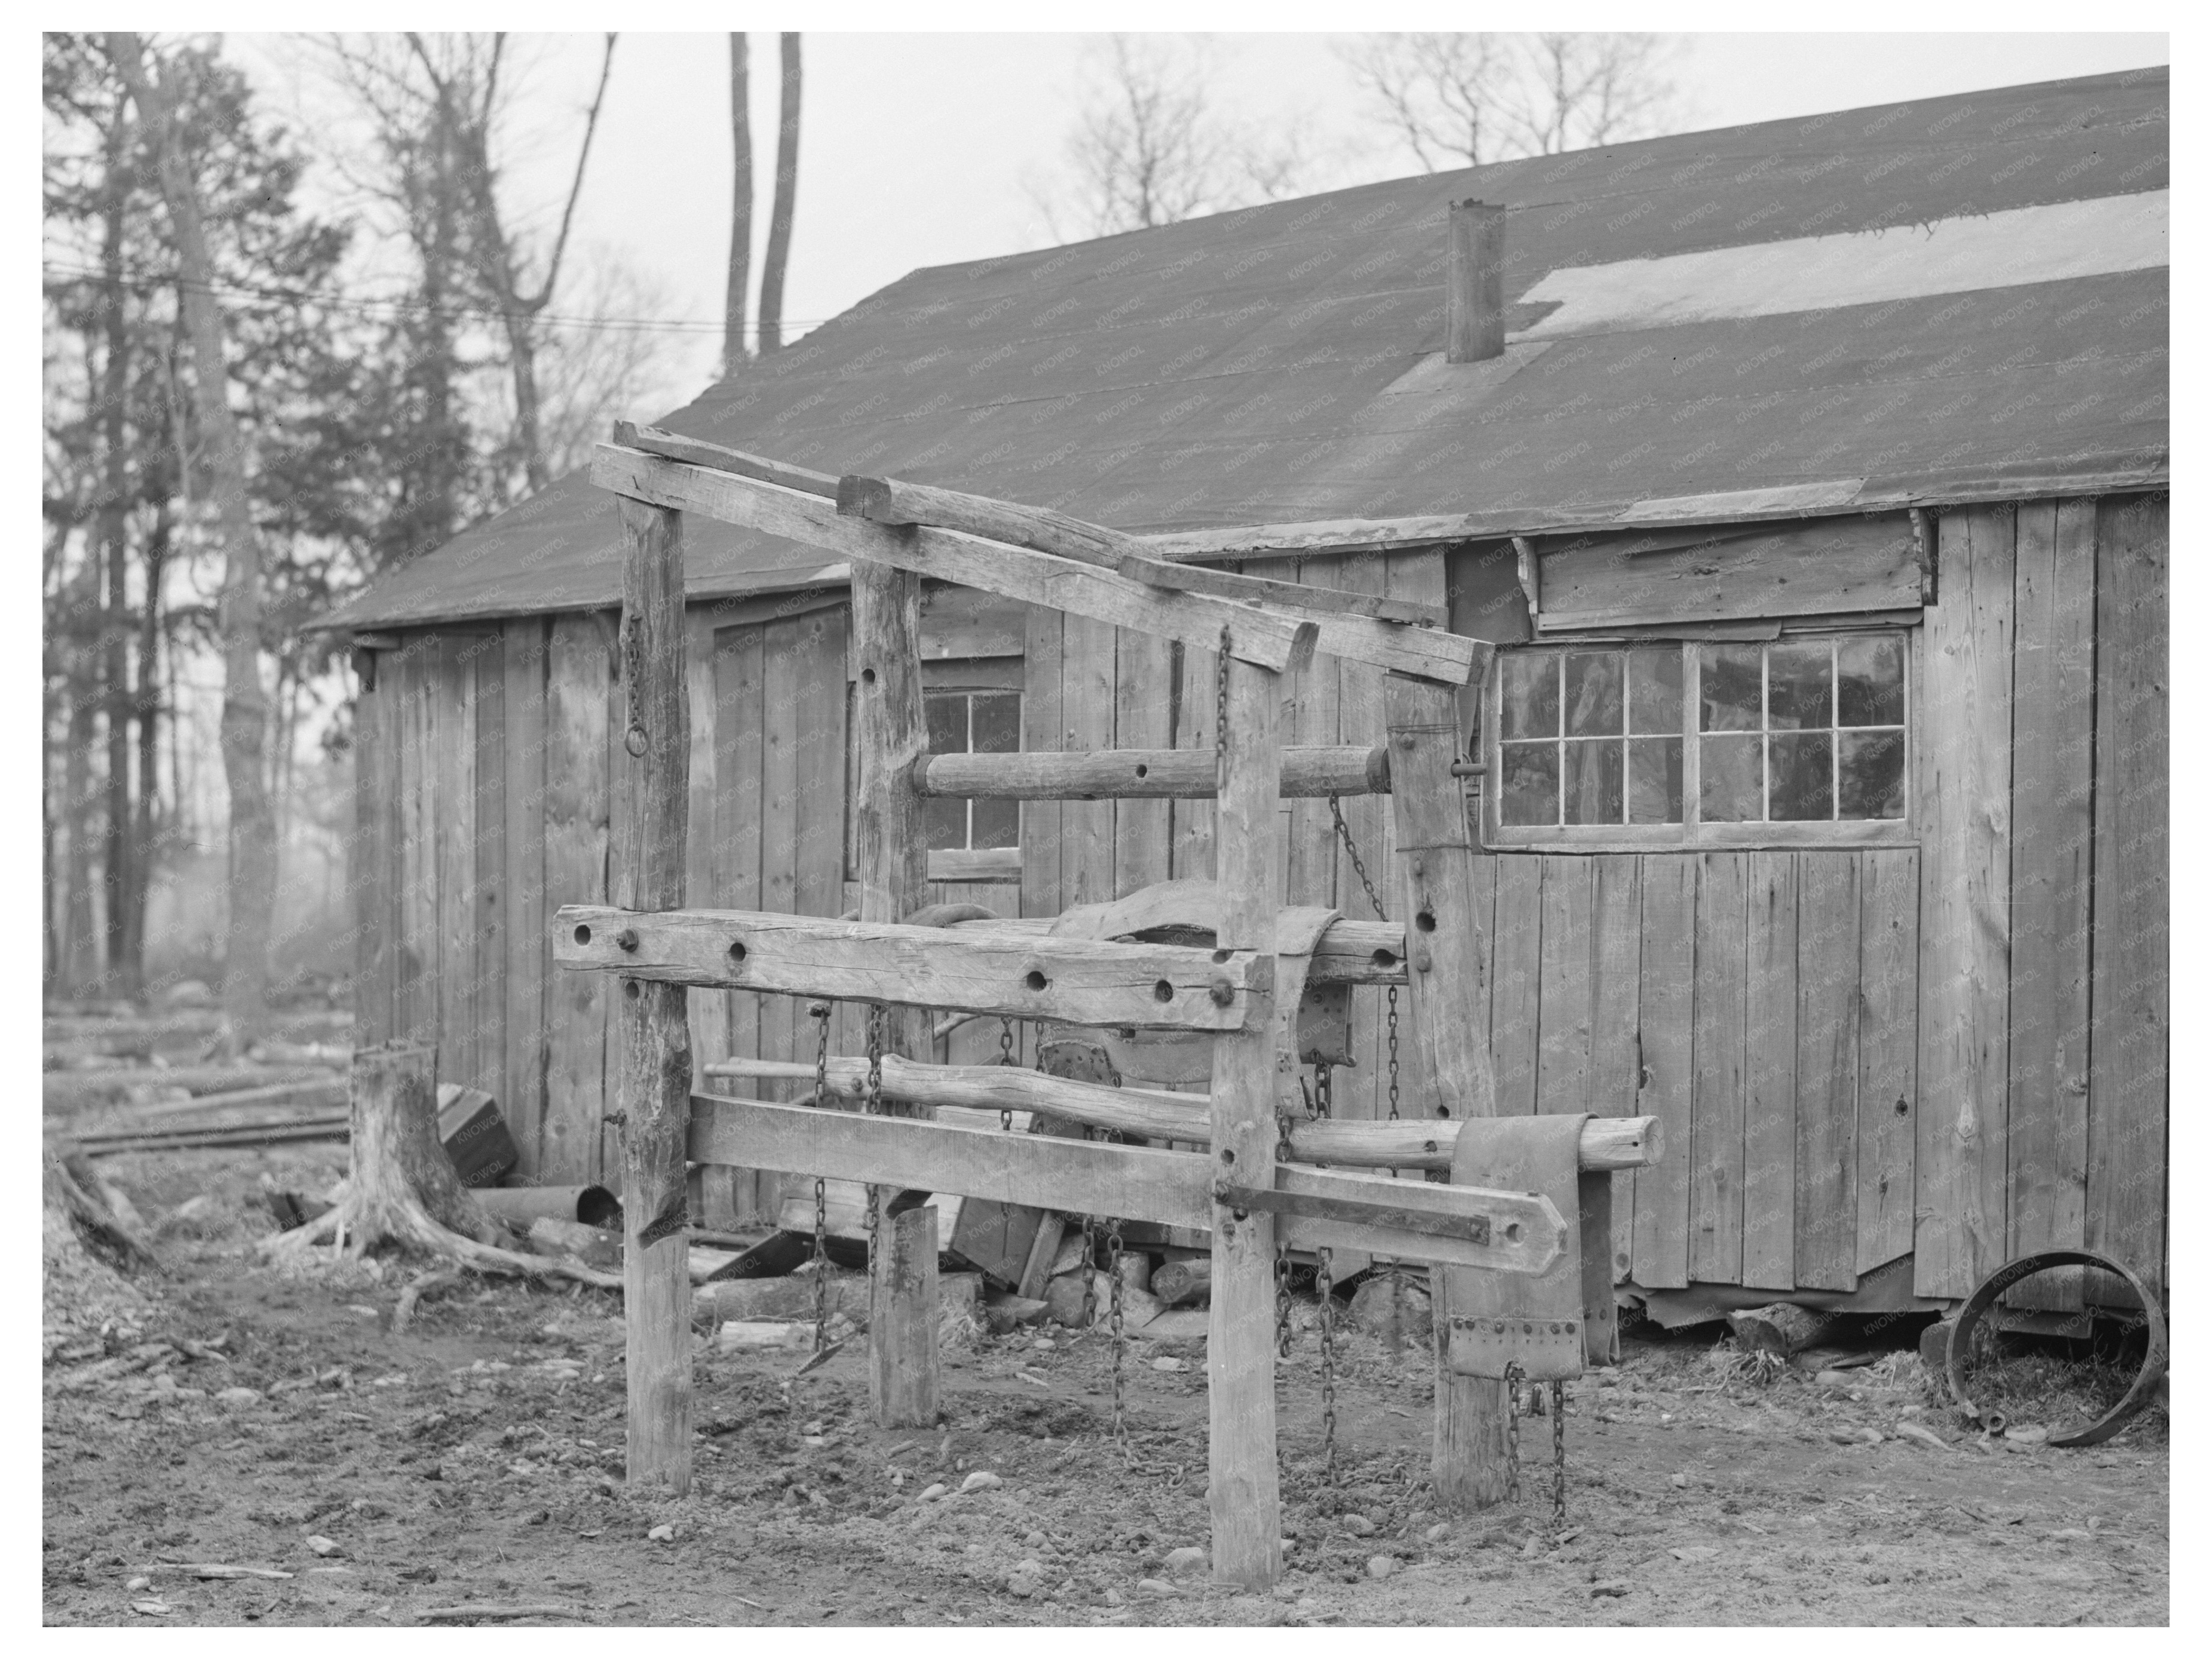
(386,310)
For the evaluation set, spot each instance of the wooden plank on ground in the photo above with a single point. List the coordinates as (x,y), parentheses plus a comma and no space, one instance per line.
(1665,975)
(1829,906)
(576,1016)
(1717,1099)
(1564,992)
(2053,725)
(1516,947)
(1270,637)
(2129,1083)
(1770,1072)
(1616,933)
(1087,717)
(526,952)
(1889,1027)
(1041,731)
(1966,886)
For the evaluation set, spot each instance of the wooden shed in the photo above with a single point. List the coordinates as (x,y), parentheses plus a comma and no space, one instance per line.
(1816,502)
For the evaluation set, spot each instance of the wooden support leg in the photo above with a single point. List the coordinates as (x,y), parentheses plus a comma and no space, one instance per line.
(655,1087)
(1245,1493)
(1447,965)
(891,858)
(902,1315)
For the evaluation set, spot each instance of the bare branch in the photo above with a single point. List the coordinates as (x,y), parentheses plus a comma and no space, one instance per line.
(538,302)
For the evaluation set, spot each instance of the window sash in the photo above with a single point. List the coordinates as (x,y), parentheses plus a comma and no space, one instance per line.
(1694,831)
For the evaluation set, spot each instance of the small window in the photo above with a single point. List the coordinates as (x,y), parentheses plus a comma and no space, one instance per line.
(1702,742)
(965,720)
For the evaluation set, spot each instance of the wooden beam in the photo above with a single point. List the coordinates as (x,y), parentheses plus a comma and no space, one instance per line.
(656,758)
(1256,633)
(1243,1492)
(1080,981)
(1099,1177)
(1607,1143)
(1350,952)
(892,857)
(695,451)
(895,502)
(1143,774)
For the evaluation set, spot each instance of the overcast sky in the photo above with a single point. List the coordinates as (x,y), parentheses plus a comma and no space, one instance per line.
(924,149)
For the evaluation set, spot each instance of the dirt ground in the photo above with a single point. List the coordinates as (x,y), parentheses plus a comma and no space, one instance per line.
(477,1459)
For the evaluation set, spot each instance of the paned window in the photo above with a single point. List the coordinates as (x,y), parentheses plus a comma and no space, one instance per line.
(973,721)
(1701,742)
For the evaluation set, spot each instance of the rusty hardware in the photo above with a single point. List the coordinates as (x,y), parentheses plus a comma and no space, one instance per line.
(617,1118)
(1513,1431)
(1475,1229)
(1120,1341)
(626,940)
(1325,1281)
(1558,1455)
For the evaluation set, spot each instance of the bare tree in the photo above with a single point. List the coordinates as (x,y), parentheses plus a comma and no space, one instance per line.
(741,206)
(253,874)
(1149,149)
(778,252)
(1456,99)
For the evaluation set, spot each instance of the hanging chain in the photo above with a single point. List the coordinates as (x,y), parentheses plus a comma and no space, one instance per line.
(1324,1089)
(1005,1057)
(1090,1261)
(1221,711)
(1282,1298)
(873,1105)
(1324,1281)
(1558,1456)
(1513,1431)
(820,1011)
(1114,1294)
(1358,865)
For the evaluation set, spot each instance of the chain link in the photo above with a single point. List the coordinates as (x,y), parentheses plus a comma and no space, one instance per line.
(1513,1431)
(820,1011)
(1324,1281)
(1221,712)
(1090,1260)
(1358,865)
(1282,1299)
(873,1105)
(1113,1293)
(1005,1057)
(1558,1456)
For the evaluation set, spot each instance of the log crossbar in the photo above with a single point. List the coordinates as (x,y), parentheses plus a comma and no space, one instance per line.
(1143,774)
(1078,981)
(1517,1233)
(1350,952)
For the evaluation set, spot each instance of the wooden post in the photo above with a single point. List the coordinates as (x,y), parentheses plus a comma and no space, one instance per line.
(1447,968)
(1244,1494)
(656,761)
(892,856)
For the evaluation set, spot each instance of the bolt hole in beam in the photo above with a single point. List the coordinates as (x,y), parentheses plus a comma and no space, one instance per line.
(737,949)
(583,933)
(1163,991)
(1384,959)
(1221,956)
(1425,920)
(1035,981)
(627,938)
(868,676)
(629,989)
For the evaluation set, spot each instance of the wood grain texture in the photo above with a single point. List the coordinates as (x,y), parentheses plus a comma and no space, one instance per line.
(1829,907)
(1965,883)
(1310,721)
(1360,720)
(1666,1078)
(2053,727)
(1516,978)
(1086,718)
(708,1011)
(1717,1113)
(734,863)
(1565,985)
(1143,718)
(1617,937)
(1041,820)
(2128,1081)
(1243,1494)
(1126,773)
(1889,1028)
(414,1011)
(1770,1072)
(453,724)
(528,950)
(372,860)
(578,670)
(488,920)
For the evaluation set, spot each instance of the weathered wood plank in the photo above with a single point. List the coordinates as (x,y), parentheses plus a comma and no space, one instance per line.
(1268,636)
(1965,885)
(649,862)
(1889,1026)
(576,845)
(1129,773)
(487,945)
(1041,820)
(521,1094)
(656,441)
(1617,937)
(1087,714)
(1770,1072)
(1360,720)
(1243,1494)
(2129,1083)
(706,1011)
(1516,978)
(454,765)
(734,868)
(2053,724)
(1083,982)
(373,860)
(1563,999)
(1717,1113)
(786,1032)
(1829,953)
(1666,977)
(415,1005)
(1309,722)
(1143,719)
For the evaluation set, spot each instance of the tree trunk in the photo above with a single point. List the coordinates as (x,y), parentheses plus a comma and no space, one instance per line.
(150,630)
(786,191)
(118,863)
(253,873)
(79,963)
(741,206)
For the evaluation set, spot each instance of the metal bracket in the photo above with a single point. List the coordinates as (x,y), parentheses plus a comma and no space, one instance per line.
(1545,1350)
(1475,1229)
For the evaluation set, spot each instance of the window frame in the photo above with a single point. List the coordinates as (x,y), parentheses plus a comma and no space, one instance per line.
(972,675)
(1693,834)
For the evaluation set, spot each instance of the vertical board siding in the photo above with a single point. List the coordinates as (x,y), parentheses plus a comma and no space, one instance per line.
(733,864)
(818,870)
(1889,1038)
(1086,718)
(414,1014)
(488,929)
(1359,719)
(2053,723)
(707,1012)
(1144,718)
(1311,721)
(1563,993)
(1770,1072)
(2126,1214)
(1716,1120)
(1829,905)
(1517,955)
(625,809)
(1665,975)
(1041,820)
(528,951)
(453,864)
(372,863)
(1616,932)
(577,674)
(1965,797)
